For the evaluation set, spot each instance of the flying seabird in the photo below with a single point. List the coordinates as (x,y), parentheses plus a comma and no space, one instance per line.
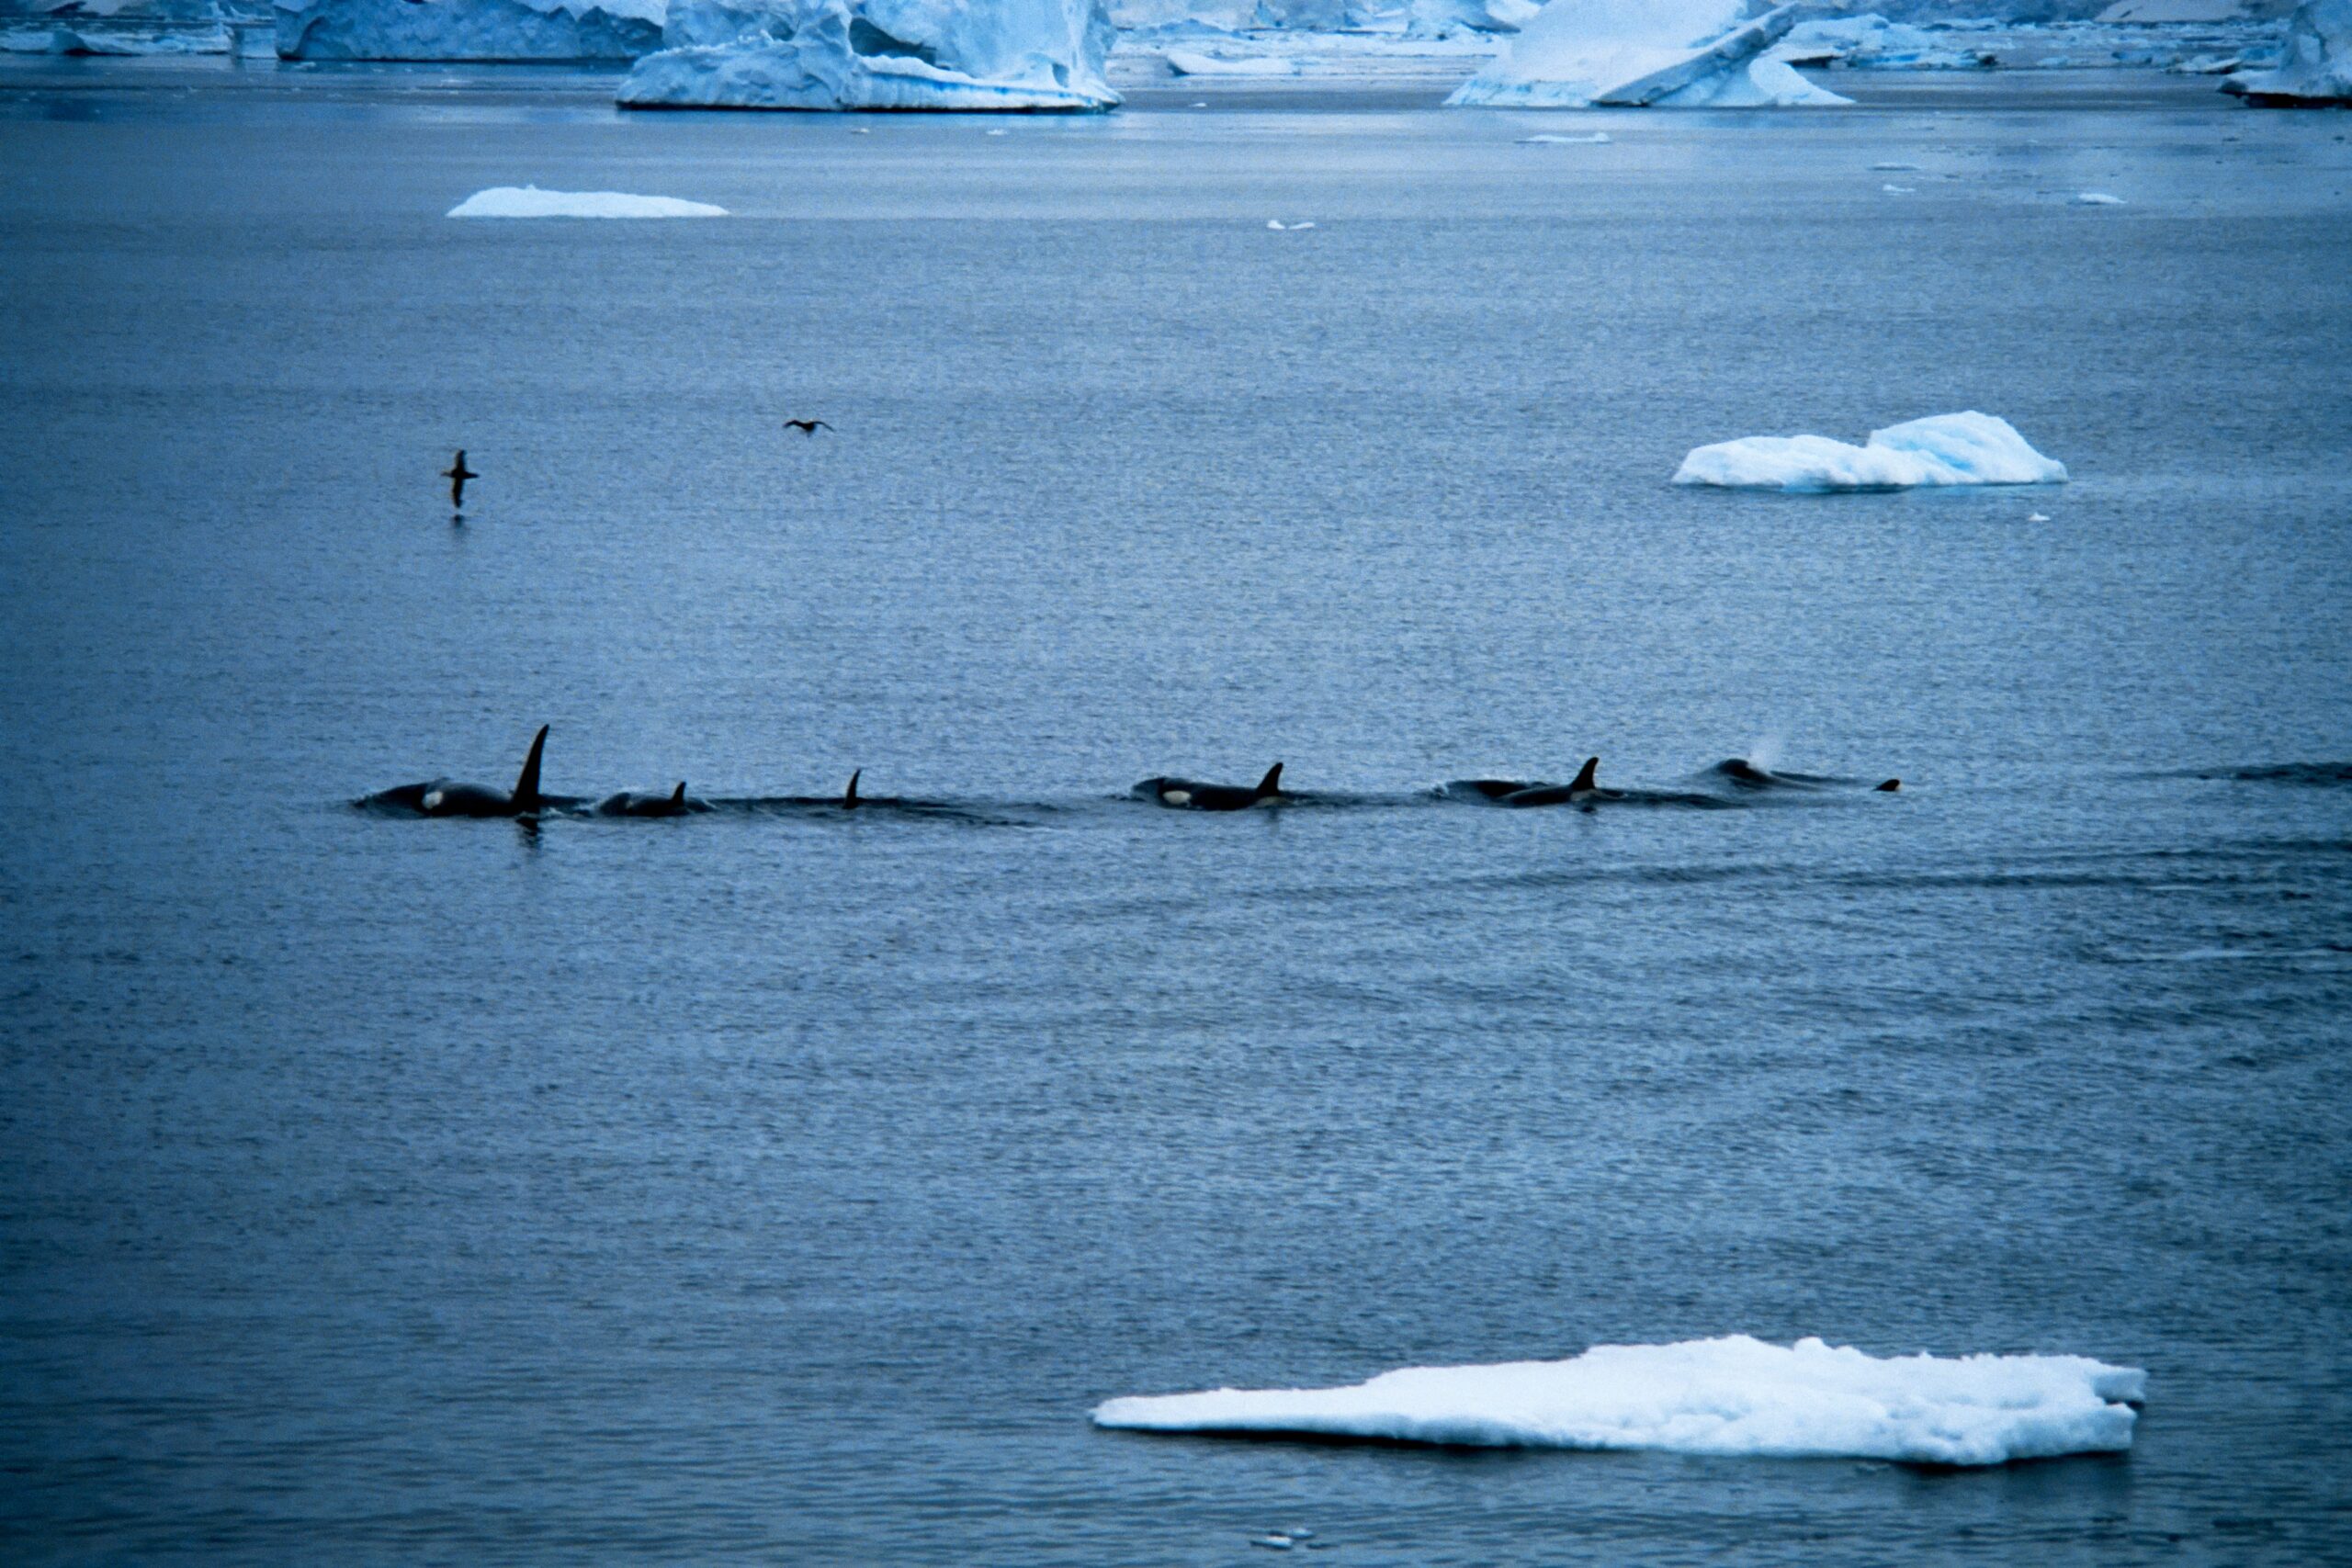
(808,427)
(457,473)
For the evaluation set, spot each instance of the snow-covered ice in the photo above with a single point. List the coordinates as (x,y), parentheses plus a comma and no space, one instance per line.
(1597,139)
(1946,449)
(1679,53)
(2317,66)
(1733,1395)
(877,54)
(467,30)
(2097,199)
(530,201)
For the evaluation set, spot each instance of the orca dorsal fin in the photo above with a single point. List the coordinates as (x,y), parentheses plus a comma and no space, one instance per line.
(1271,785)
(1889,787)
(526,786)
(1584,775)
(849,796)
(678,796)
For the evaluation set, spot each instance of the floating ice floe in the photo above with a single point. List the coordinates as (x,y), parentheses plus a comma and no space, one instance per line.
(57,37)
(1732,1396)
(1947,449)
(877,54)
(1280,227)
(1871,43)
(2317,66)
(2097,199)
(1673,53)
(1597,139)
(1191,62)
(467,30)
(530,201)
(2164,11)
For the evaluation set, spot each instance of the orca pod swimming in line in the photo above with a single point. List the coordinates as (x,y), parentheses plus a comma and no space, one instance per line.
(629,803)
(445,797)
(1184,794)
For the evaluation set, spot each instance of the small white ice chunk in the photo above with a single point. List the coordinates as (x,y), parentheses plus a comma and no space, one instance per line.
(2097,199)
(530,201)
(1597,139)
(1947,449)
(1733,1395)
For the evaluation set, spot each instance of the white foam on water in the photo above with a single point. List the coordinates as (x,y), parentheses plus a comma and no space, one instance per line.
(1734,1395)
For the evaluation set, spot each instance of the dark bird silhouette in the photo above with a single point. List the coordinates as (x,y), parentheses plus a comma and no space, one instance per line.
(808,427)
(457,473)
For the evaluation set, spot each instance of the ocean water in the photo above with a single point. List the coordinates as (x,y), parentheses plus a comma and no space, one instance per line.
(786,1185)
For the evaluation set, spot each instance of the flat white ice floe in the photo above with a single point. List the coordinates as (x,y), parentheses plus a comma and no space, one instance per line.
(1733,1395)
(530,201)
(467,30)
(1192,63)
(878,55)
(2317,66)
(1671,53)
(1946,449)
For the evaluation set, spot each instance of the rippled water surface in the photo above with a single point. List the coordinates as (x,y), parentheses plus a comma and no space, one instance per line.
(781,1183)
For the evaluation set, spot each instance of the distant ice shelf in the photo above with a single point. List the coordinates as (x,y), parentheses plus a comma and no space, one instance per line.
(530,201)
(1946,449)
(467,30)
(1734,1395)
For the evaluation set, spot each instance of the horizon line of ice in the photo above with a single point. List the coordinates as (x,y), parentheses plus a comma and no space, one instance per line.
(530,201)
(1968,448)
(1733,1395)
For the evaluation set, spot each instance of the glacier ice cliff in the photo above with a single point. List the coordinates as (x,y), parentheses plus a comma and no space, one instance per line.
(877,54)
(2317,66)
(467,30)
(1671,53)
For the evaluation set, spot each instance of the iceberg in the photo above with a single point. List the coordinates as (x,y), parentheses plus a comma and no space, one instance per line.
(1678,53)
(877,54)
(1441,18)
(1947,449)
(467,30)
(2317,66)
(530,201)
(1734,1395)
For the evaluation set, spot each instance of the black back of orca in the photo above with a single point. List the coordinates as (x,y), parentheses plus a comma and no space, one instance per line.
(445,797)
(1185,794)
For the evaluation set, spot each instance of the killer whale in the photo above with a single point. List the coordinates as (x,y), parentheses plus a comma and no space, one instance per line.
(1583,790)
(629,802)
(1747,775)
(448,797)
(1185,794)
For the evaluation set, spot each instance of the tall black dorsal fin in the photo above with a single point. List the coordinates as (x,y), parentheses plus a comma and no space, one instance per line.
(678,797)
(1890,787)
(849,796)
(1271,784)
(1584,775)
(526,787)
